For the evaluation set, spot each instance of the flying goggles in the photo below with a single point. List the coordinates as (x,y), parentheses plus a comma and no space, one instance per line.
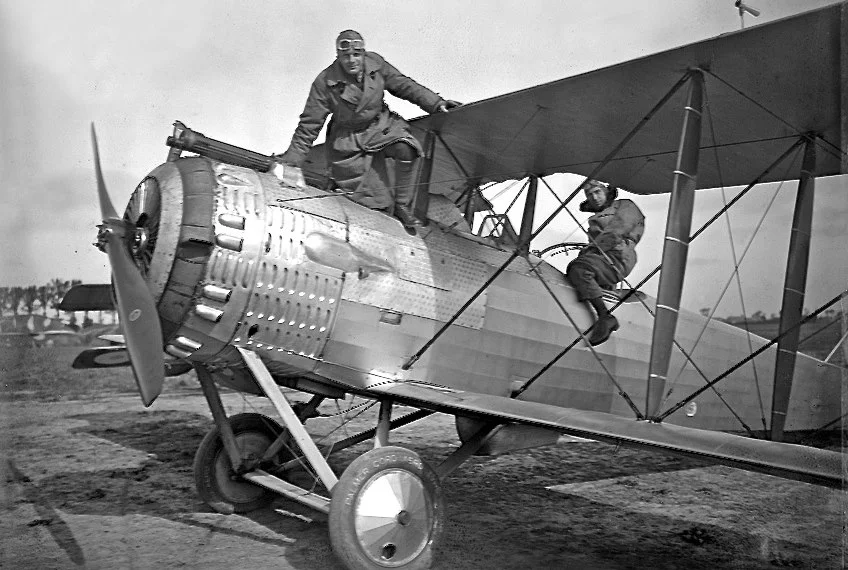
(346,44)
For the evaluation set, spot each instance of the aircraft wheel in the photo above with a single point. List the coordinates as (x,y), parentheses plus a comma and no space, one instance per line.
(387,511)
(214,478)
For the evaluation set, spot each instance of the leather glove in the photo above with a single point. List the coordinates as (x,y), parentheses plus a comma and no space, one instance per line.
(286,158)
(446,105)
(287,172)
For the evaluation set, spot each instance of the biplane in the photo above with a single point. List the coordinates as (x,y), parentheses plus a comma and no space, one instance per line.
(262,281)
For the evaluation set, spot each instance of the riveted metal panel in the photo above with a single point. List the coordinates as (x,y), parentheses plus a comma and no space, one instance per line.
(471,248)
(293,300)
(427,282)
(424,280)
(318,203)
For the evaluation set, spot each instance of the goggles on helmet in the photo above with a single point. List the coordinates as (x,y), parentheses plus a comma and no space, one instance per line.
(595,184)
(346,44)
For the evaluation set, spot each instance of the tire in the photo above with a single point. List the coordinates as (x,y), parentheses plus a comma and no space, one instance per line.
(391,489)
(216,483)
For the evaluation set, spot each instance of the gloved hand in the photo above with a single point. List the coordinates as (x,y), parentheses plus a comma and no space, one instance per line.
(286,158)
(446,104)
(286,170)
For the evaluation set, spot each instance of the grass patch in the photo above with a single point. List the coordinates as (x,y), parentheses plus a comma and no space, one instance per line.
(45,373)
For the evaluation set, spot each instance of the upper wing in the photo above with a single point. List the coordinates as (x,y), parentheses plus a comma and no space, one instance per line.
(764,86)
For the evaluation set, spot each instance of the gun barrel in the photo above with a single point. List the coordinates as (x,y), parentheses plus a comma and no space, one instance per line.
(192,141)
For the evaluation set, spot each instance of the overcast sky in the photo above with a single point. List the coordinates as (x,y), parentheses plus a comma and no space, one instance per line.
(240,71)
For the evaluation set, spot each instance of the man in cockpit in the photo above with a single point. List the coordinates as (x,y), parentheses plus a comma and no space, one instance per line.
(363,132)
(615,227)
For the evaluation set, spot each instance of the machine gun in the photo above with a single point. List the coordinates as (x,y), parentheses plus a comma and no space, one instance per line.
(185,139)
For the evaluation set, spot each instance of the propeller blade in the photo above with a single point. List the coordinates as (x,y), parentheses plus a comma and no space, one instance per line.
(136,309)
(107,210)
(139,320)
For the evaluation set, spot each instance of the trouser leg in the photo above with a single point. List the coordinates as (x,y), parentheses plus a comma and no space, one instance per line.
(584,274)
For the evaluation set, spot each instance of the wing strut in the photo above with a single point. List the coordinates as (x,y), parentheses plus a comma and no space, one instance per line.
(793,291)
(422,198)
(676,245)
(527,219)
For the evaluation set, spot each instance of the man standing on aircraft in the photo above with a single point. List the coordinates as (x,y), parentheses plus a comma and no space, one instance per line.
(615,228)
(363,132)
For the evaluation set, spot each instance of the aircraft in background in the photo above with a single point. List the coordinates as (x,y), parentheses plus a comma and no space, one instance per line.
(260,282)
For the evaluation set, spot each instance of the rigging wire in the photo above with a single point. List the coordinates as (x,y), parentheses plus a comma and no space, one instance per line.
(826,145)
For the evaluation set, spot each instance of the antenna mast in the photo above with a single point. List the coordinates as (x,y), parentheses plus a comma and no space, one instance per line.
(745,8)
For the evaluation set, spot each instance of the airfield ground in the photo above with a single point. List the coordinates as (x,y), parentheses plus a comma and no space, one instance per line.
(92,479)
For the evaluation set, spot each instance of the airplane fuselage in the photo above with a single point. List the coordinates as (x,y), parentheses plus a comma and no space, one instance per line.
(325,289)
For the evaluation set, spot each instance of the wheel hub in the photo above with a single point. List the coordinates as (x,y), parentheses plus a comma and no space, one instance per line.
(393,517)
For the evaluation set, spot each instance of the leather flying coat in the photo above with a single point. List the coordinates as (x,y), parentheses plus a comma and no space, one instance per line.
(361,124)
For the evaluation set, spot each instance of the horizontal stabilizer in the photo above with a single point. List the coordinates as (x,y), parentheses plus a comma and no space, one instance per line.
(88,298)
(113,338)
(117,356)
(785,460)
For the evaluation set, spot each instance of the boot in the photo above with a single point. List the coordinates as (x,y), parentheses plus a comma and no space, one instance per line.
(605,325)
(405,194)
(602,329)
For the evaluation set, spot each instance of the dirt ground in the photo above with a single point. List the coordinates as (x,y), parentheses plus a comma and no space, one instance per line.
(101,482)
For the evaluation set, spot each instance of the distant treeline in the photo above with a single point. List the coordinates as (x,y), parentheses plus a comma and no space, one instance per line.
(41,299)
(760,317)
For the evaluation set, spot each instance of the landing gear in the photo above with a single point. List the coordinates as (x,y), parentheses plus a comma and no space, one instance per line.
(387,511)
(217,483)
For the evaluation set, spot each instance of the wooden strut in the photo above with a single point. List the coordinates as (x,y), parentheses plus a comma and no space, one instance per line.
(381,436)
(795,283)
(422,182)
(290,419)
(527,218)
(676,247)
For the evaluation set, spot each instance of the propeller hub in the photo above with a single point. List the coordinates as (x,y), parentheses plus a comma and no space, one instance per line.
(140,240)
